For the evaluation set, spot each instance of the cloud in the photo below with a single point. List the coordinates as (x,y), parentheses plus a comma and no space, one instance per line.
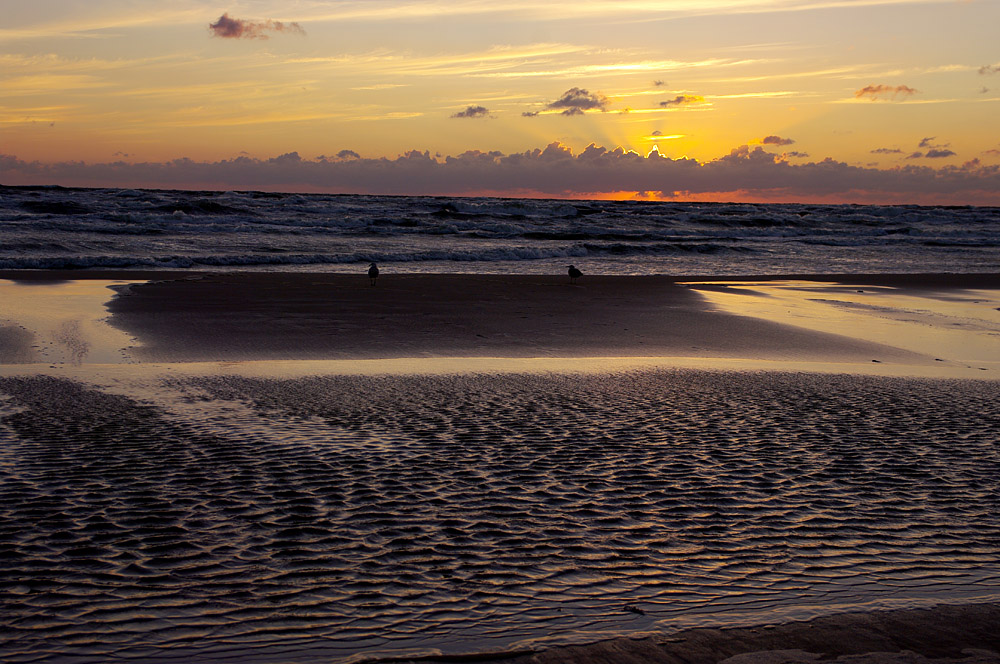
(776,140)
(529,114)
(682,100)
(656,132)
(926,142)
(237,28)
(795,154)
(939,154)
(989,69)
(878,91)
(553,171)
(658,84)
(886,151)
(473,112)
(348,154)
(576,101)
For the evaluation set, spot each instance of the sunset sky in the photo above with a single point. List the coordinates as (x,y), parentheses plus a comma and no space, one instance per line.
(779,100)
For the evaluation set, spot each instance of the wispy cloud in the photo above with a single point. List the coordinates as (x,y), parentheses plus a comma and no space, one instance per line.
(494,60)
(638,66)
(886,151)
(558,10)
(94,20)
(755,95)
(41,84)
(238,28)
(776,140)
(381,86)
(849,71)
(989,69)
(87,20)
(882,91)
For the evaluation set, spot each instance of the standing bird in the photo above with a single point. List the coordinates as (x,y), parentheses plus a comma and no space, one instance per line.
(373,272)
(574,274)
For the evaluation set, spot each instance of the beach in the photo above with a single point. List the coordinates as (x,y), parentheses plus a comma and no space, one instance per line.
(184,317)
(304,467)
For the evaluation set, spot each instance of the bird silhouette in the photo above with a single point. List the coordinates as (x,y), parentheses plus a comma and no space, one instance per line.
(373,272)
(574,274)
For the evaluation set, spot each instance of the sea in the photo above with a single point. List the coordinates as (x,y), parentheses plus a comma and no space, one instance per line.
(228,511)
(64,228)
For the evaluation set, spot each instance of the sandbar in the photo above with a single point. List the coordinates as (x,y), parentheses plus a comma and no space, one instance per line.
(271,316)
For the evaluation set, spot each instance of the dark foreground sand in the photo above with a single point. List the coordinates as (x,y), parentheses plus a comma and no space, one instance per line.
(969,633)
(237,316)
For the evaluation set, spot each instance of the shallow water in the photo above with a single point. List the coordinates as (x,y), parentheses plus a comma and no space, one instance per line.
(65,320)
(345,517)
(959,327)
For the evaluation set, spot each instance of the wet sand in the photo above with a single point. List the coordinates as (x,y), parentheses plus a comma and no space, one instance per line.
(302,316)
(184,317)
(222,517)
(330,518)
(942,634)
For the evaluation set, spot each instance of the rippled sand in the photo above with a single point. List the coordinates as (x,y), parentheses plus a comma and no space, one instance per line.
(233,518)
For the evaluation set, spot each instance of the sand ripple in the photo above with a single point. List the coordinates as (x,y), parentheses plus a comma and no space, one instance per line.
(336,517)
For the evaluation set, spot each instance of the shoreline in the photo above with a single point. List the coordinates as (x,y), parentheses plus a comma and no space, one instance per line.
(893,279)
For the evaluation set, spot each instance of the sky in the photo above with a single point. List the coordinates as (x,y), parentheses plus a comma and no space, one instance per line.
(866,101)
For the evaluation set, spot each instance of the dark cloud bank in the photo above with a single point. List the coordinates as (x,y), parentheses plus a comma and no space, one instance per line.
(555,171)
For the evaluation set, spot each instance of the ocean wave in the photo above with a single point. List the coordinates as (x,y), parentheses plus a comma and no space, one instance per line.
(50,227)
(57,207)
(511,208)
(265,255)
(200,207)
